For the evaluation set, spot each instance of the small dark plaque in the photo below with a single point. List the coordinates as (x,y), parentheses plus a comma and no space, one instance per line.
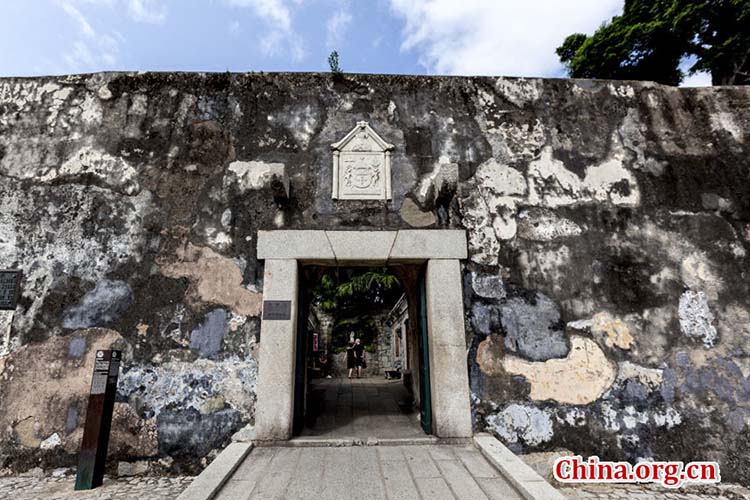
(277,309)
(10,288)
(98,420)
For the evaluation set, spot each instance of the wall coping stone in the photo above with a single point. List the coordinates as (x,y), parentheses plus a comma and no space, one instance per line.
(210,481)
(529,484)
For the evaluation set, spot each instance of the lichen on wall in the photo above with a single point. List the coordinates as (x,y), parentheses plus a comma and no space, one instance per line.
(696,319)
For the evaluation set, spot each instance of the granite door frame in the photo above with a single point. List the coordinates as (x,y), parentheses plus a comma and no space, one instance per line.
(284,250)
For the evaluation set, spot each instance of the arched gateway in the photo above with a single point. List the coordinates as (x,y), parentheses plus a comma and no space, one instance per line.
(439,251)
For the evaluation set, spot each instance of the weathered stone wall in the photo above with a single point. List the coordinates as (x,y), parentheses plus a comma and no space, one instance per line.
(382,355)
(607,301)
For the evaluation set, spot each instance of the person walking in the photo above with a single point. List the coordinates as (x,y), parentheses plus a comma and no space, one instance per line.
(350,357)
(359,357)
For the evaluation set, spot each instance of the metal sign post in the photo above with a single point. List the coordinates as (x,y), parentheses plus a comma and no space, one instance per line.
(93,454)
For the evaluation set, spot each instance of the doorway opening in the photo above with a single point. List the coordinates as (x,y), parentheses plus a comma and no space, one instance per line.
(440,288)
(362,359)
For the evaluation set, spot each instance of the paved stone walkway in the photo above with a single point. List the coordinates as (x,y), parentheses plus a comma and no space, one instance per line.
(361,408)
(376,472)
(61,488)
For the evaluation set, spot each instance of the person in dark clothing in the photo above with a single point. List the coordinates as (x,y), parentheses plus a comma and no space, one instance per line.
(350,358)
(359,356)
(325,365)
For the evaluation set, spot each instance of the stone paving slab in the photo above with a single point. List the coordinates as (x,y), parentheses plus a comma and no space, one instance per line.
(379,472)
(367,458)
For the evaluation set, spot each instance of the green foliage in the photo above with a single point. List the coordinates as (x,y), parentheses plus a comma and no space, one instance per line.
(567,51)
(649,39)
(351,296)
(325,293)
(333,63)
(366,283)
(722,38)
(356,287)
(363,326)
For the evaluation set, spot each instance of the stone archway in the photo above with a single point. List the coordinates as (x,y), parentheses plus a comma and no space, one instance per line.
(284,250)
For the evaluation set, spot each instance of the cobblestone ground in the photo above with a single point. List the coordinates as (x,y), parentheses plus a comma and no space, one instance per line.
(653,492)
(61,488)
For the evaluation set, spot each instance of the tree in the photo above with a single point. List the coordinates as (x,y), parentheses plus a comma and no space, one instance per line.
(651,37)
(333,63)
(722,38)
(352,296)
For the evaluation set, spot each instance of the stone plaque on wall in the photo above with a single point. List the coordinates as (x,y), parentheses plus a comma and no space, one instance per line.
(362,166)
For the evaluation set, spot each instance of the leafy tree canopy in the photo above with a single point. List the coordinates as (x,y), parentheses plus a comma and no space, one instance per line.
(651,37)
(352,297)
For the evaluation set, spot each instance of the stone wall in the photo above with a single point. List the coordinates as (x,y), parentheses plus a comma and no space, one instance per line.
(382,356)
(607,301)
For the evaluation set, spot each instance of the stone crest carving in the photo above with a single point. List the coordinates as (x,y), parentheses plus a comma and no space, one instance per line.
(362,165)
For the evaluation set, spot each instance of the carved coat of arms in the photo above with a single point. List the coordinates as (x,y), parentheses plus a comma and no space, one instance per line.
(362,166)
